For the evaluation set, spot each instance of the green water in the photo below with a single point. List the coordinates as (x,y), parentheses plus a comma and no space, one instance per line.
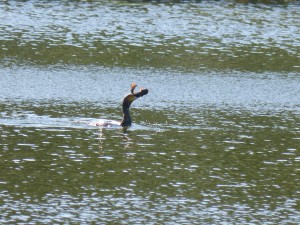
(219,35)
(216,140)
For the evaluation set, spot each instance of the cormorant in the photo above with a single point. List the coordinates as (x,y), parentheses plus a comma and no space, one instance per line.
(126,122)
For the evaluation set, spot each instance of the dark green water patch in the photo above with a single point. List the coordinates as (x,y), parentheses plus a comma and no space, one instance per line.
(191,36)
(238,166)
(249,58)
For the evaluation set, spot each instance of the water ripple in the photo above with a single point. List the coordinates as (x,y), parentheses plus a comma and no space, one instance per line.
(102,32)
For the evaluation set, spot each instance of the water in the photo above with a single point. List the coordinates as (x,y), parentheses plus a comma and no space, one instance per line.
(216,140)
(218,35)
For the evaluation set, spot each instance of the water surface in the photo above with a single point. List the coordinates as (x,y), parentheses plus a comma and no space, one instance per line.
(225,152)
(216,140)
(206,35)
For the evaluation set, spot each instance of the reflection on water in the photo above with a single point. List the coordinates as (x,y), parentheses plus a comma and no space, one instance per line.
(227,157)
(239,167)
(207,146)
(205,35)
(98,87)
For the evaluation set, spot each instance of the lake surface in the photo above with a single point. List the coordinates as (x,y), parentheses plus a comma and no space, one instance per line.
(216,140)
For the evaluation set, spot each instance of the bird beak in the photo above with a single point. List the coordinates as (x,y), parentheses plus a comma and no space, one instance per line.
(141,93)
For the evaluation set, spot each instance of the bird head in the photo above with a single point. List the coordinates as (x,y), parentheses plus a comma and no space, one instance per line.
(134,95)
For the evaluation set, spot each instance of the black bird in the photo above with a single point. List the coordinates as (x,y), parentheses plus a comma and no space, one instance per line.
(126,122)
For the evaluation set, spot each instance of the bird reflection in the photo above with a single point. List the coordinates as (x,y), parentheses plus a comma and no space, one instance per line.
(126,141)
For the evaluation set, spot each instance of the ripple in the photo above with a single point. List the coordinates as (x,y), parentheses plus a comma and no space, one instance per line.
(190,31)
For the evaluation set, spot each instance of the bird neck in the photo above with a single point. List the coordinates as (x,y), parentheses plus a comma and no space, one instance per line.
(126,122)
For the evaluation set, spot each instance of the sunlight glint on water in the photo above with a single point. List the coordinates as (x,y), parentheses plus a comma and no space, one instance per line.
(212,142)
